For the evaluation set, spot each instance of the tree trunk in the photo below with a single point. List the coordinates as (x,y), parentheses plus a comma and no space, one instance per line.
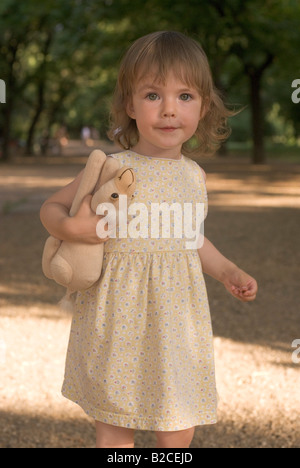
(257,118)
(38,111)
(255,76)
(8,106)
(40,97)
(6,131)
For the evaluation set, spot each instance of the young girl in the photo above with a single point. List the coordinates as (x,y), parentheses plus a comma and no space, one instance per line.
(140,354)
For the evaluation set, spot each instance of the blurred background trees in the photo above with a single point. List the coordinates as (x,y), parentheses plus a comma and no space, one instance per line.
(59,60)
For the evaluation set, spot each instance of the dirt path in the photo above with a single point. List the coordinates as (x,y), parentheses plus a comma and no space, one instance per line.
(253,219)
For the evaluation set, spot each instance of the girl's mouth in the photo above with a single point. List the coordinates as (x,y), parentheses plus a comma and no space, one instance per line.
(168,129)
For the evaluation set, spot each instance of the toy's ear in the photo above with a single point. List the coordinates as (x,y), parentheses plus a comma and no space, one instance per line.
(108,172)
(89,178)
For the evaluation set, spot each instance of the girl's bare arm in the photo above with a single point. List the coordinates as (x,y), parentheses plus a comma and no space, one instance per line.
(236,281)
(55,217)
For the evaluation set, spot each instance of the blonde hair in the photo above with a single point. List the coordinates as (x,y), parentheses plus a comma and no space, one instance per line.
(159,53)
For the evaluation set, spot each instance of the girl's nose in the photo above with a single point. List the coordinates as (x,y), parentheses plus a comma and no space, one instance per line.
(169,114)
(169,109)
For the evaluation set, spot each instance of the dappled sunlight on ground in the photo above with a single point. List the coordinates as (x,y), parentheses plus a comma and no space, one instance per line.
(253,219)
(259,405)
(254,191)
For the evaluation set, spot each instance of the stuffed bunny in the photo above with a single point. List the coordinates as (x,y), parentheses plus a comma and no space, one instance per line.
(77,266)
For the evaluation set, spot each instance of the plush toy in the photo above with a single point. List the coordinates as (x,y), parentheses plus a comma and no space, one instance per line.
(77,266)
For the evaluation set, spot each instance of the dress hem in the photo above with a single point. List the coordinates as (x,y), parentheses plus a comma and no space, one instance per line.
(152,423)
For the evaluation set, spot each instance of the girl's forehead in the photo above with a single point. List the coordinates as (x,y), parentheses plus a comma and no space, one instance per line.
(163,80)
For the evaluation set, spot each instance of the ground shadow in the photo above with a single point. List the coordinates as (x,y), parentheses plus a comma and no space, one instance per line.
(262,242)
(29,431)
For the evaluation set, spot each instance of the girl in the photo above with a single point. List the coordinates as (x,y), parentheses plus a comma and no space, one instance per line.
(140,354)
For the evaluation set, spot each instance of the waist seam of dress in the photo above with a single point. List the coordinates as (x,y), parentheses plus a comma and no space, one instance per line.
(149,251)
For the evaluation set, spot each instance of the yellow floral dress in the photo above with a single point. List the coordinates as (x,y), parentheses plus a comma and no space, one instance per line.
(140,353)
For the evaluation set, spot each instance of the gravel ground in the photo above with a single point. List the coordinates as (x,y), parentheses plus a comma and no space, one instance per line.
(253,219)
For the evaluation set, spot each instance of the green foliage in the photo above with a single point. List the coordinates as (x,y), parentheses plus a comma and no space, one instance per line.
(60,59)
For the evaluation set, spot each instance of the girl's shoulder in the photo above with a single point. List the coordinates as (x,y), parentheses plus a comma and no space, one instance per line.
(128,157)
(117,155)
(194,166)
(123,156)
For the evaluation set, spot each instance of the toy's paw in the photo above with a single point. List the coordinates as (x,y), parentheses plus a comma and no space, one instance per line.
(61,270)
(51,247)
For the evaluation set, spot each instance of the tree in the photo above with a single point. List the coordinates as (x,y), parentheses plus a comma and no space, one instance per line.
(49,52)
(261,34)
(59,59)
(258,34)
(21,29)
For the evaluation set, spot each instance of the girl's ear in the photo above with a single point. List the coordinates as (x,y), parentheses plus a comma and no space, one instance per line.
(130,109)
(204,108)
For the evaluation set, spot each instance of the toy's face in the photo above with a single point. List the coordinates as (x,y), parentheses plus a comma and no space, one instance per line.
(122,184)
(125,181)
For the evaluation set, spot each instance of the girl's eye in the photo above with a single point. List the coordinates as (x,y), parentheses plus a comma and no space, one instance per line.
(152,96)
(185,97)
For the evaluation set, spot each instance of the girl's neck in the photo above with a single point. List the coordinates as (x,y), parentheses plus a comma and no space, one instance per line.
(157,153)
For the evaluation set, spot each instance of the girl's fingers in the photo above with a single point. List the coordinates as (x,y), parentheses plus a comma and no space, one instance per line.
(244,293)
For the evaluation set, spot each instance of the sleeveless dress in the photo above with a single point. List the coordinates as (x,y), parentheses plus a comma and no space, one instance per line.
(140,353)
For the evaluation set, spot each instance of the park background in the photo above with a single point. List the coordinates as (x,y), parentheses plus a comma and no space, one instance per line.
(59,60)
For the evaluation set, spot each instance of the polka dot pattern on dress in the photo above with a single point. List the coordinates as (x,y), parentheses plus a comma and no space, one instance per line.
(140,353)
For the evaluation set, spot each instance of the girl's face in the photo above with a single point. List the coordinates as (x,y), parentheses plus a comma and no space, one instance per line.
(167,115)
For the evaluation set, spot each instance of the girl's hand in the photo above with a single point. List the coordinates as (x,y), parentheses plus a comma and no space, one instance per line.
(241,285)
(82,227)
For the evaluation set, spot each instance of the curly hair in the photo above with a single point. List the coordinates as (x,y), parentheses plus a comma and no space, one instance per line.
(160,53)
